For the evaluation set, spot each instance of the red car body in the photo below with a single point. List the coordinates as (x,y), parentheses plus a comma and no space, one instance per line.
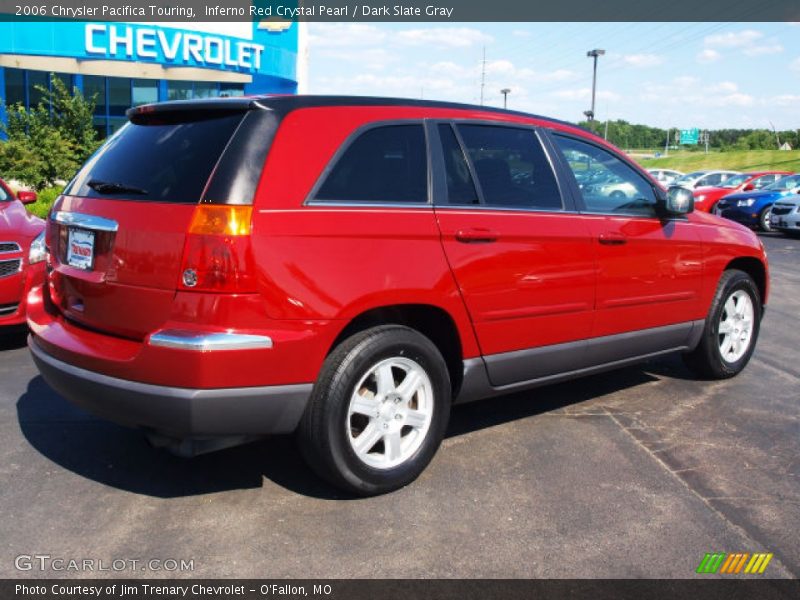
(706,198)
(18,228)
(482,283)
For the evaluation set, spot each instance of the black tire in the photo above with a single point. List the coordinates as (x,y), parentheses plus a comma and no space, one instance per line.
(323,434)
(763,220)
(706,359)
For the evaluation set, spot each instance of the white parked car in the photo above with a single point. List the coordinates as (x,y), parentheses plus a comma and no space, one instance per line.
(698,179)
(785,216)
(665,176)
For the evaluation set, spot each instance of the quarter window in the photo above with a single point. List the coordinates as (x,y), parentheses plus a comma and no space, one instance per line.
(460,187)
(606,183)
(511,166)
(384,164)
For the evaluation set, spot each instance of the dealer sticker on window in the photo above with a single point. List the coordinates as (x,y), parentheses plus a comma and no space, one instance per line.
(80,249)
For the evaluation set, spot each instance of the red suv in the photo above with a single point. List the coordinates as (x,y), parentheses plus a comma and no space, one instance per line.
(348,268)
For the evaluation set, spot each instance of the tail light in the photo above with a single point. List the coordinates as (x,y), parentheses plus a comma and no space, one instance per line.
(217,254)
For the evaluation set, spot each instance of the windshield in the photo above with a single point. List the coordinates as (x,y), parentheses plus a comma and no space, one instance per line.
(786,183)
(735,181)
(690,177)
(167,158)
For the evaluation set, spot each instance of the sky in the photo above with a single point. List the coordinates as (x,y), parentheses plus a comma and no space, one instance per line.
(705,75)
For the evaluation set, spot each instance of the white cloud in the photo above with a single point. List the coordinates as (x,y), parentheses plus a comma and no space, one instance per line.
(642,61)
(328,35)
(708,56)
(769,48)
(733,39)
(449,37)
(585,94)
(785,100)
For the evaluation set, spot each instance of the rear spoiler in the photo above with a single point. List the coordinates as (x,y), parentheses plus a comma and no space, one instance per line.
(238,103)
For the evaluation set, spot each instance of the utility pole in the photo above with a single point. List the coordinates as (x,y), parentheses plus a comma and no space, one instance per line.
(483,73)
(666,143)
(777,137)
(597,52)
(705,139)
(505,92)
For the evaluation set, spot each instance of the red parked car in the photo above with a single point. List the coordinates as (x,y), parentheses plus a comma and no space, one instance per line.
(706,198)
(348,268)
(22,252)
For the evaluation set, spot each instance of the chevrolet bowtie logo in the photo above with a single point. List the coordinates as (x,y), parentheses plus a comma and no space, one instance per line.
(734,563)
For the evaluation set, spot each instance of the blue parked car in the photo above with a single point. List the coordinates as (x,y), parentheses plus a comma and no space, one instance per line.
(753,208)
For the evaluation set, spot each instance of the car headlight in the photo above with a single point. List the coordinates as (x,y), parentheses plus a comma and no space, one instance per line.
(748,202)
(38,251)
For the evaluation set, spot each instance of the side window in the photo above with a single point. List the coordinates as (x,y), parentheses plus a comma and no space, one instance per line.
(460,187)
(511,166)
(384,164)
(606,183)
(763,180)
(713,179)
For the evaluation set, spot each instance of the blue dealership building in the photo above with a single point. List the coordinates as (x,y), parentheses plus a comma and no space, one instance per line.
(127,64)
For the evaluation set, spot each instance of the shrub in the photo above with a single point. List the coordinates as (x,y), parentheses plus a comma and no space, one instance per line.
(45,200)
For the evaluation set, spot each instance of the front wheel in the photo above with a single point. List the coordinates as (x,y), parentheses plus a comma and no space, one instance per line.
(378,411)
(731,328)
(764,219)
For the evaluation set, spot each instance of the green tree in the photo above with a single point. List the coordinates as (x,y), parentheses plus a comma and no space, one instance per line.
(51,140)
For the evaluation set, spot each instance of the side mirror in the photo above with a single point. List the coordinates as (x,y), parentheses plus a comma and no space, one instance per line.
(26,197)
(679,201)
(749,187)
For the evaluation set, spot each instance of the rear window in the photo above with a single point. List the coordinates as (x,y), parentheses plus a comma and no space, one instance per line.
(161,159)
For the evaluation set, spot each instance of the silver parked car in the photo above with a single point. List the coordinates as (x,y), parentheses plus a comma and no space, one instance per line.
(698,179)
(665,176)
(785,216)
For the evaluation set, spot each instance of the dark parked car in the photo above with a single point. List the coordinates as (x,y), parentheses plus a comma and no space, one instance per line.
(348,268)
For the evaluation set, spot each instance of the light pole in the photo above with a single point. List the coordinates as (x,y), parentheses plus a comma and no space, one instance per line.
(593,54)
(505,92)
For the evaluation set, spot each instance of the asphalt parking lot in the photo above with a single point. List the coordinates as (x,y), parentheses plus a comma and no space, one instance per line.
(634,473)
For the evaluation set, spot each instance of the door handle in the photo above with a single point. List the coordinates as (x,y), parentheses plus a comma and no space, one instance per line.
(476,236)
(612,239)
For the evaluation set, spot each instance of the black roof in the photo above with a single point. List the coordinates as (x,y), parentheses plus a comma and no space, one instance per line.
(286,104)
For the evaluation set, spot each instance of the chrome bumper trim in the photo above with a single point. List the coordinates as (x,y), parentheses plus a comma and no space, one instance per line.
(208,342)
(85,221)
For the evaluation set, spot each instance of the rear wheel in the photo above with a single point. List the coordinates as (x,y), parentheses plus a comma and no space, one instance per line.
(731,328)
(378,411)
(763,219)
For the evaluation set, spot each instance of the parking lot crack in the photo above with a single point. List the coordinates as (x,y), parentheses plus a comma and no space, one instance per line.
(707,500)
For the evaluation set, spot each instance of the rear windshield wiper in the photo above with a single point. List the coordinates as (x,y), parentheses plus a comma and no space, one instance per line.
(110,187)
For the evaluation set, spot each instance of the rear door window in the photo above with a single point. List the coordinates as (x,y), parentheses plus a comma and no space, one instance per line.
(384,164)
(164,158)
(512,168)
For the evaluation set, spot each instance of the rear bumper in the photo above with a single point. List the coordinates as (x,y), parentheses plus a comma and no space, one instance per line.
(182,413)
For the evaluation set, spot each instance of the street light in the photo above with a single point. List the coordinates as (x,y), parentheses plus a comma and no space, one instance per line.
(505,92)
(593,54)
